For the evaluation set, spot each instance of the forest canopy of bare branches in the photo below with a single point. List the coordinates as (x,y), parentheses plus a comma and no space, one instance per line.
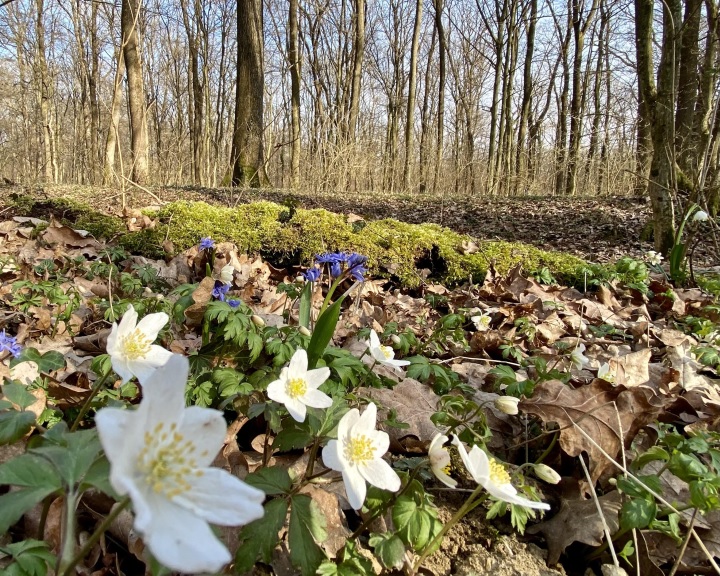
(467,96)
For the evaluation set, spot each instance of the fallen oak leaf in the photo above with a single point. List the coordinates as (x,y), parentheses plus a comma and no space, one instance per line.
(578,521)
(610,415)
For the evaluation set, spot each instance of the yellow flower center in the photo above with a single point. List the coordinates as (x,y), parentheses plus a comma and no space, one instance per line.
(163,461)
(498,474)
(296,387)
(135,345)
(387,352)
(359,450)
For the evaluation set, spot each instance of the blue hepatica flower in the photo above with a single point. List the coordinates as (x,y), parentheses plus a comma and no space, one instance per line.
(356,266)
(206,243)
(312,274)
(233,303)
(331,258)
(335,269)
(220,290)
(10,344)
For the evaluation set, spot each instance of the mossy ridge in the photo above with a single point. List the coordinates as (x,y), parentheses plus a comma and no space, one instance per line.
(389,244)
(393,247)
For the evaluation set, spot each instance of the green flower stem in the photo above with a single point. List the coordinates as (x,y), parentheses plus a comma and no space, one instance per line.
(548,449)
(331,291)
(66,568)
(311,460)
(469,505)
(86,406)
(68,534)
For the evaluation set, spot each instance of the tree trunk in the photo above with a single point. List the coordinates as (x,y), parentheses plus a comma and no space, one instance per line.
(139,144)
(358,55)
(442,49)
(111,141)
(689,53)
(410,112)
(524,121)
(44,96)
(294,62)
(248,155)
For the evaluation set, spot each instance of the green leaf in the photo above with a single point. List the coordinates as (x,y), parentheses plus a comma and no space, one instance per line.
(30,471)
(32,558)
(18,395)
(389,549)
(650,455)
(415,518)
(260,537)
(307,527)
(98,476)
(323,332)
(14,504)
(270,480)
(291,438)
(47,362)
(637,513)
(636,490)
(14,425)
(72,453)
(305,305)
(686,467)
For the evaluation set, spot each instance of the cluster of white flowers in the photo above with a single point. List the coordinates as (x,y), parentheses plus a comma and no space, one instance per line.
(161,453)
(486,471)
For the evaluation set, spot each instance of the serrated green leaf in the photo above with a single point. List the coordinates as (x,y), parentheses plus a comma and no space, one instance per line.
(637,513)
(291,439)
(72,453)
(260,537)
(389,549)
(32,558)
(18,394)
(686,466)
(636,490)
(14,504)
(307,527)
(30,471)
(270,480)
(47,362)
(14,425)
(652,454)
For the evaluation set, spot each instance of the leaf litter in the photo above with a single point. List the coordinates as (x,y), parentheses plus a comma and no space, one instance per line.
(656,377)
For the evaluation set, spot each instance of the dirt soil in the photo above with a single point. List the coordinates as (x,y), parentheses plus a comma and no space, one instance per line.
(598,229)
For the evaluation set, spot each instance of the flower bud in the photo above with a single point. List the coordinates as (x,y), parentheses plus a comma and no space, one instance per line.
(226,274)
(396,339)
(259,322)
(700,216)
(546,474)
(507,404)
(304,331)
(147,292)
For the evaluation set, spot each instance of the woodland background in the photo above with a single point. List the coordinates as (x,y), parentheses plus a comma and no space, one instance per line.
(475,97)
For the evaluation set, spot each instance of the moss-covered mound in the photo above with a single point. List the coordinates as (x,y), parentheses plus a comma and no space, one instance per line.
(287,236)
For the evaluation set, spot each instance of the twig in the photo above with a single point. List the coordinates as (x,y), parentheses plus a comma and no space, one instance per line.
(684,544)
(162,202)
(606,528)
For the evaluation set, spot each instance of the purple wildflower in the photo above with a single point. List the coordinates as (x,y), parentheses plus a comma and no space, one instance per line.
(206,243)
(220,290)
(356,266)
(312,274)
(233,303)
(330,258)
(10,344)
(335,269)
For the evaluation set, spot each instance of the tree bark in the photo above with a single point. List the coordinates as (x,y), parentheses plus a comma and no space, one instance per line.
(410,112)
(358,55)
(294,62)
(139,143)
(44,96)
(248,155)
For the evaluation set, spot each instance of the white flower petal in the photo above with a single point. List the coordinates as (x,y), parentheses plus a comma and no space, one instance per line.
(128,322)
(367,420)
(379,473)
(298,364)
(347,423)
(380,440)
(332,456)
(151,324)
(355,487)
(276,391)
(397,363)
(296,408)
(182,541)
(164,393)
(121,367)
(317,399)
(206,429)
(219,497)
(374,340)
(314,378)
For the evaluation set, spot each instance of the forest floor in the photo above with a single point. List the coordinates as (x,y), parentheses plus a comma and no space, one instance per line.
(639,339)
(598,229)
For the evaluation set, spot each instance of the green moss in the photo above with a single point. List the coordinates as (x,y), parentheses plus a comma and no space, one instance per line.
(394,248)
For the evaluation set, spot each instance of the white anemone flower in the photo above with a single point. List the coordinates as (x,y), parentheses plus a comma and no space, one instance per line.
(700,216)
(383,354)
(160,456)
(604,373)
(440,460)
(507,404)
(226,274)
(654,258)
(546,474)
(297,387)
(357,454)
(130,345)
(482,322)
(577,357)
(492,476)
